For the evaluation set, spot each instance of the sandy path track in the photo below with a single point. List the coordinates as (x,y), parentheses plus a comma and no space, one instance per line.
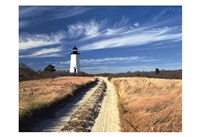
(108,119)
(61,117)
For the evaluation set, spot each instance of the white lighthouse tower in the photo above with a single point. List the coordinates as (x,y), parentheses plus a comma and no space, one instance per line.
(74,62)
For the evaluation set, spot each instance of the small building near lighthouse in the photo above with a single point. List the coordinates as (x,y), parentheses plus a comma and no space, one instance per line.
(74,61)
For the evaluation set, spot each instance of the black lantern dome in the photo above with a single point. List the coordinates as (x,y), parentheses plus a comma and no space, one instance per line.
(75,50)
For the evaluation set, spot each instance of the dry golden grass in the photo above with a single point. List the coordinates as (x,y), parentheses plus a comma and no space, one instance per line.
(149,104)
(35,94)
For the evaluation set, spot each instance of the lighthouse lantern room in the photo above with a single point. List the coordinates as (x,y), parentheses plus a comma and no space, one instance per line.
(74,62)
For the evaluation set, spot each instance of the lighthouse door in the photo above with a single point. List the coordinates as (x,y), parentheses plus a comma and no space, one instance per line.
(74,70)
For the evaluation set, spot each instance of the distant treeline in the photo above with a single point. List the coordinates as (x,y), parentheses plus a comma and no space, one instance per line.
(33,75)
(26,73)
(166,74)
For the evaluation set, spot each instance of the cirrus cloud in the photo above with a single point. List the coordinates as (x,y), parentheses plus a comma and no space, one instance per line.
(45,52)
(29,41)
(136,38)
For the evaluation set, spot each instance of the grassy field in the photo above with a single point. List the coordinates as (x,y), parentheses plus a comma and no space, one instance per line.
(149,104)
(37,94)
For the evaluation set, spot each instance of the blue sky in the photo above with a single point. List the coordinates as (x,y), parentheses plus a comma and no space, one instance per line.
(109,38)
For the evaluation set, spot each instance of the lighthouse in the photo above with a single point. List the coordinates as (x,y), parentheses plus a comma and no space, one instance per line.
(74,62)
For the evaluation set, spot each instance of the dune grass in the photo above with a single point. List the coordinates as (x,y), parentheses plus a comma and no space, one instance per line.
(149,104)
(37,94)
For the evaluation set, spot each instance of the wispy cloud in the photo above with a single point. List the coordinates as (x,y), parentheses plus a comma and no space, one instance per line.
(88,29)
(98,28)
(24,23)
(102,34)
(110,38)
(66,12)
(45,52)
(92,29)
(29,41)
(113,60)
(64,62)
(94,34)
(136,38)
(25,11)
(122,22)
(162,13)
(137,24)
(49,13)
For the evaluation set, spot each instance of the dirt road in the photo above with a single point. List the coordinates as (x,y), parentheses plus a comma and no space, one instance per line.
(108,118)
(63,116)
(103,114)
